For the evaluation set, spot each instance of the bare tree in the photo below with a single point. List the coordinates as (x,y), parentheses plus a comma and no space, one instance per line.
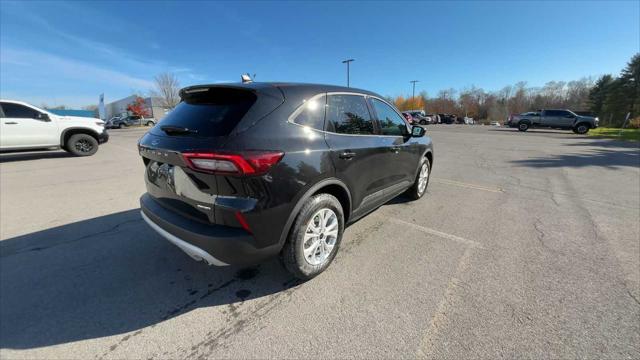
(167,89)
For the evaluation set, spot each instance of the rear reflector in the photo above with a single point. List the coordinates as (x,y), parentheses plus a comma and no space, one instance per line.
(246,163)
(243,222)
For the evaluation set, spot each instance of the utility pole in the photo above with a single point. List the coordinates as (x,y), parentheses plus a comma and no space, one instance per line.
(413,96)
(347,62)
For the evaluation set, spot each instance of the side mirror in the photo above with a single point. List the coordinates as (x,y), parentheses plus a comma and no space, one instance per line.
(417,131)
(43,117)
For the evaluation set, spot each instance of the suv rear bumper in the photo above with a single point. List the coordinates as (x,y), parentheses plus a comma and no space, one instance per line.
(215,244)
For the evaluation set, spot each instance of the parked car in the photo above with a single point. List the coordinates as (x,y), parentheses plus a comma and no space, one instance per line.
(556,119)
(409,118)
(109,123)
(129,120)
(237,174)
(495,123)
(447,119)
(27,127)
(420,118)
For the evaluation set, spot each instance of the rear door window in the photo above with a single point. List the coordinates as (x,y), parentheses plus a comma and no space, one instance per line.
(209,112)
(348,114)
(553,113)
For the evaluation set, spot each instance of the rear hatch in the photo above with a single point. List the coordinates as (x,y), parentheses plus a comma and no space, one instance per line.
(182,153)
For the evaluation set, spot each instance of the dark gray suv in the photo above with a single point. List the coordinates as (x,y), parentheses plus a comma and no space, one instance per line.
(239,173)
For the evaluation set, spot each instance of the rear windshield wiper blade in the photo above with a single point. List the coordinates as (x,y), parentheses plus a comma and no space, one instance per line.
(177,130)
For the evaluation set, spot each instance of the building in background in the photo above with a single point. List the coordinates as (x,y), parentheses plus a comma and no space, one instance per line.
(71,112)
(119,107)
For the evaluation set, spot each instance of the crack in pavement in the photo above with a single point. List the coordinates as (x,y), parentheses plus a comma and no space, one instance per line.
(441,316)
(240,322)
(541,233)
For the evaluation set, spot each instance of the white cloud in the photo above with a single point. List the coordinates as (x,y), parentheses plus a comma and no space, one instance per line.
(115,56)
(71,68)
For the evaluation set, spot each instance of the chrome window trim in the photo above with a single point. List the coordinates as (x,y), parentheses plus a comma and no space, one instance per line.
(366,96)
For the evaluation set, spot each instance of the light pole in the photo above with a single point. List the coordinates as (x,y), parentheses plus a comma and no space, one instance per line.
(347,62)
(413,82)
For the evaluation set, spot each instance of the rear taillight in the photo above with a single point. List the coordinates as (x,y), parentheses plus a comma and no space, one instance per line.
(246,163)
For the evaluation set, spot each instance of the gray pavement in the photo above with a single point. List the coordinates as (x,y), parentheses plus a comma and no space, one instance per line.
(527,245)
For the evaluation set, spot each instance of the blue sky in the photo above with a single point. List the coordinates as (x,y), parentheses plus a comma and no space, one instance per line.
(70,52)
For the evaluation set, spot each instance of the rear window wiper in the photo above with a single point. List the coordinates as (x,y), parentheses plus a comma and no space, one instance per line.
(169,129)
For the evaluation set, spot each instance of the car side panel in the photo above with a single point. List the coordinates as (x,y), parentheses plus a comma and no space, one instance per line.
(28,133)
(306,161)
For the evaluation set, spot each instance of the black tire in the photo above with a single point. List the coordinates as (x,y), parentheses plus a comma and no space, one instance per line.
(414,192)
(293,251)
(523,126)
(423,122)
(120,126)
(581,129)
(150,123)
(81,145)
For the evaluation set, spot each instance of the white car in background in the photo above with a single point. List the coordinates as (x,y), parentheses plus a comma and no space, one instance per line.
(27,127)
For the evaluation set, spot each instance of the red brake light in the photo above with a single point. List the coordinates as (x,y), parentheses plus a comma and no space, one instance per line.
(247,163)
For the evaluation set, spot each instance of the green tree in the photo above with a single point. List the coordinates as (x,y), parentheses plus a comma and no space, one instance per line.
(630,77)
(598,94)
(622,95)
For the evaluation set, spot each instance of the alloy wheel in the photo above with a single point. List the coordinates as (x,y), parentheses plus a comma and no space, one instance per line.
(83,145)
(320,236)
(423,177)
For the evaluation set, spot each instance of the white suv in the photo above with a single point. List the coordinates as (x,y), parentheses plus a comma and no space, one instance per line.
(26,127)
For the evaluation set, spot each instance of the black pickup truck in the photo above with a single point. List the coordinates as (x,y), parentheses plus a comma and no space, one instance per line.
(555,119)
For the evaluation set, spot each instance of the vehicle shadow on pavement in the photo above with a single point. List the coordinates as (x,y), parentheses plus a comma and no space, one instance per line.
(21,156)
(607,143)
(607,158)
(111,275)
(567,134)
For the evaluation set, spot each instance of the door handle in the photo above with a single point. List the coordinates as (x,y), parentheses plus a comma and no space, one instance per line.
(347,155)
(395,149)
(11,123)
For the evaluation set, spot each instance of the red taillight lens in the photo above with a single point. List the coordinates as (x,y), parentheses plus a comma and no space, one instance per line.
(247,163)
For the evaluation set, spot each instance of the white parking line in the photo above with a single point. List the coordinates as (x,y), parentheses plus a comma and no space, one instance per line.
(467,185)
(441,234)
(440,317)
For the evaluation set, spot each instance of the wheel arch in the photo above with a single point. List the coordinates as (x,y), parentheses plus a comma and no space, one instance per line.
(67,133)
(582,122)
(332,186)
(427,154)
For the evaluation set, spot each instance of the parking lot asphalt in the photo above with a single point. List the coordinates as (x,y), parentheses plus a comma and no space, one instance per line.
(527,245)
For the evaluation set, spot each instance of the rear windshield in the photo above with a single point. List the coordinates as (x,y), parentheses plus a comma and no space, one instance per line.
(212,112)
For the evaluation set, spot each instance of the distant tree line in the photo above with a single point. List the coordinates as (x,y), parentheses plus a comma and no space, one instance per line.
(608,98)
